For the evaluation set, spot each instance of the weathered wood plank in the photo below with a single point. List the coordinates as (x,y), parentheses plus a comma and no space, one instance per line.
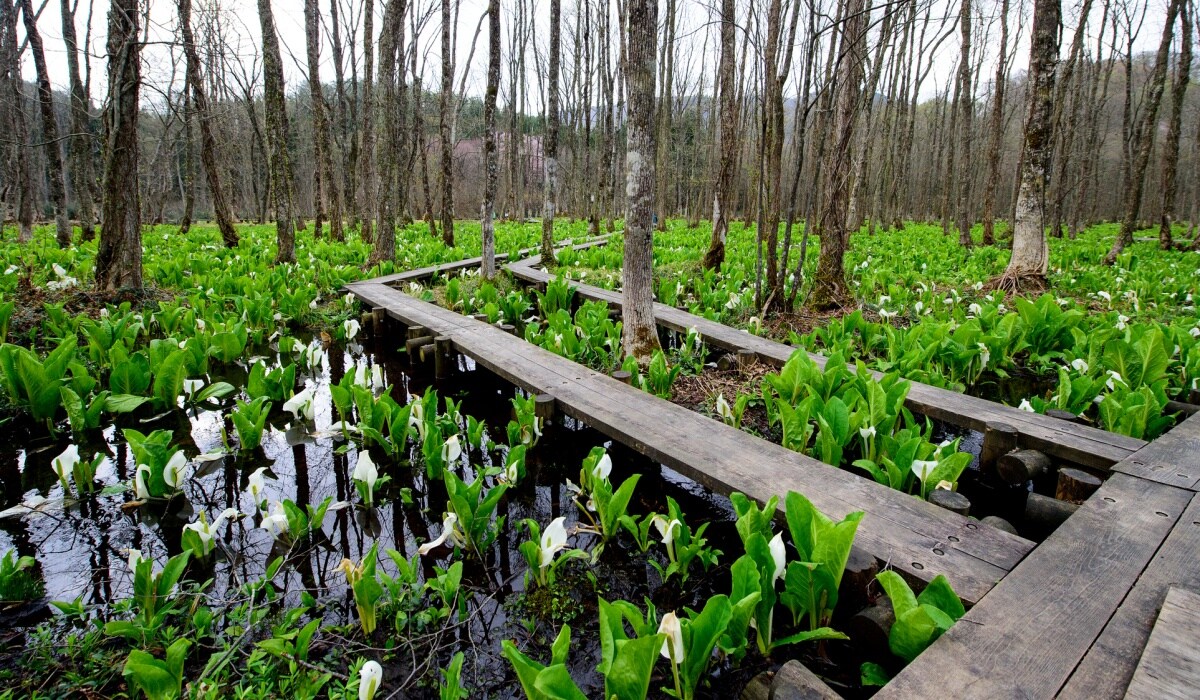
(1109,665)
(911,534)
(1079,444)
(1170,665)
(1026,637)
(1171,459)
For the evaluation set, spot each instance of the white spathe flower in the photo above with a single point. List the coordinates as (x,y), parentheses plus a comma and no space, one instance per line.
(377,383)
(883,300)
(867,433)
(919,307)
(1114,376)
(451,450)
(666,529)
(140,487)
(351,328)
(673,649)
(974,309)
(366,471)
(1122,319)
(922,468)
(449,531)
(985,355)
(361,377)
(302,405)
(1105,296)
(349,299)
(176,471)
(64,464)
(723,409)
(135,558)
(370,677)
(887,315)
(553,540)
(1079,365)
(255,485)
(1194,331)
(276,523)
(204,529)
(1026,406)
(778,555)
(603,467)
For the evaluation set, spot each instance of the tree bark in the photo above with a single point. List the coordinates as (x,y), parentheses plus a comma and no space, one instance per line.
(54,161)
(208,139)
(444,127)
(550,144)
(966,110)
(366,153)
(722,198)
(282,175)
(328,193)
(641,332)
(830,290)
(83,178)
(391,41)
(1179,85)
(491,167)
(996,132)
(119,256)
(1027,266)
(1142,138)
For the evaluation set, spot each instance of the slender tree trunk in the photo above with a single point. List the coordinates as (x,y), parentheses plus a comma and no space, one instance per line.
(16,150)
(665,107)
(444,127)
(830,290)
(208,140)
(187,180)
(391,42)
(54,161)
(1179,84)
(328,193)
(490,165)
(996,131)
(282,175)
(966,110)
(83,177)
(119,256)
(722,198)
(637,275)
(1027,266)
(550,143)
(1143,137)
(366,152)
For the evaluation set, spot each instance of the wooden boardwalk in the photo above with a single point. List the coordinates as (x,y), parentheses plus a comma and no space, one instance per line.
(909,534)
(1072,619)
(1079,444)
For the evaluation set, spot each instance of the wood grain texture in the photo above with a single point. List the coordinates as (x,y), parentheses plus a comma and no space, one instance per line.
(1075,443)
(1026,637)
(1170,665)
(1171,459)
(1109,665)
(910,534)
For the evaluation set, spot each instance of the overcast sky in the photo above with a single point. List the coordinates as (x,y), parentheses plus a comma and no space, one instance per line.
(697,43)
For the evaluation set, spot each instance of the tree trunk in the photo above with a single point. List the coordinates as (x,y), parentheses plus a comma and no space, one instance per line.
(1179,86)
(187,179)
(366,153)
(830,290)
(328,192)
(444,127)
(83,178)
(1027,266)
(665,106)
(550,144)
(282,176)
(722,198)
(1142,138)
(490,165)
(637,275)
(391,41)
(16,148)
(966,110)
(54,161)
(208,140)
(119,256)
(996,132)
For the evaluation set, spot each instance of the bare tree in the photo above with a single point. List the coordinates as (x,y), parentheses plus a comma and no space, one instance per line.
(996,131)
(830,290)
(21,179)
(391,42)
(366,153)
(119,256)
(1142,137)
(444,127)
(637,276)
(488,215)
(550,143)
(1179,85)
(83,178)
(327,190)
(1027,266)
(208,140)
(729,141)
(966,110)
(282,176)
(54,161)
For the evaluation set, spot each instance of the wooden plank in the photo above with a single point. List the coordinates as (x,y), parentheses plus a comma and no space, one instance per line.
(1171,459)
(1026,637)
(1078,444)
(910,534)
(1109,665)
(1170,665)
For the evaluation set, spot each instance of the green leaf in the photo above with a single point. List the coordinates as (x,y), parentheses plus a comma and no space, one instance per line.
(903,600)
(940,595)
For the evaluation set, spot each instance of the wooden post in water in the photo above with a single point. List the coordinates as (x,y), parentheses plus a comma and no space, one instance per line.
(623,376)
(1022,465)
(1075,485)
(950,500)
(998,440)
(443,357)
